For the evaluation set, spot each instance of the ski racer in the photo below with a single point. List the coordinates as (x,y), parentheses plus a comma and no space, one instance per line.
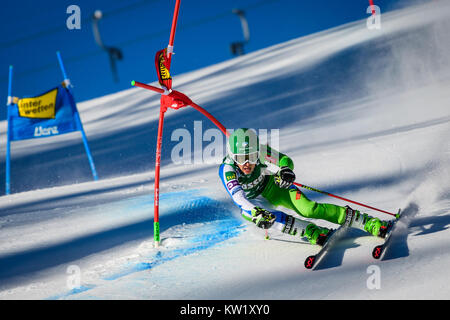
(251,173)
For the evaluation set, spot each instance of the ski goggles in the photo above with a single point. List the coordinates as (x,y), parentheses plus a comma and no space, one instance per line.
(241,159)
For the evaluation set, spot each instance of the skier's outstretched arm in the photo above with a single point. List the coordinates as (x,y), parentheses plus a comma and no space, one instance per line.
(250,211)
(234,189)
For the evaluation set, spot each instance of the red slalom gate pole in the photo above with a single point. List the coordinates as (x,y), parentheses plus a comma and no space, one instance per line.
(372,6)
(146,86)
(156,236)
(342,198)
(187,101)
(177,96)
(210,117)
(172,31)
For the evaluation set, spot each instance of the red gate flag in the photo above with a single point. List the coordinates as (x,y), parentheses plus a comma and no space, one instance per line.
(162,64)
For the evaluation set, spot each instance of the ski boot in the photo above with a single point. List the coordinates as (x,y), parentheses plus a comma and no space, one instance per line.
(303,228)
(316,235)
(363,221)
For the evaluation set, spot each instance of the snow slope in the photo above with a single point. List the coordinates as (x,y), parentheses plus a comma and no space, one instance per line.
(364,114)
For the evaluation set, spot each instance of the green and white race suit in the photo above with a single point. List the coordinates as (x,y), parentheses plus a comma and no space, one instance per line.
(245,189)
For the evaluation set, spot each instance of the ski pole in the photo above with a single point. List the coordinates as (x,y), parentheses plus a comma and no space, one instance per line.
(372,7)
(342,198)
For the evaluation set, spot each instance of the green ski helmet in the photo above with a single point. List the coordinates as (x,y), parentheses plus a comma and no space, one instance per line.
(243,146)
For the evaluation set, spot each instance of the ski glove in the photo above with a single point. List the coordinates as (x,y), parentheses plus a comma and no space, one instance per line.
(285,177)
(262,218)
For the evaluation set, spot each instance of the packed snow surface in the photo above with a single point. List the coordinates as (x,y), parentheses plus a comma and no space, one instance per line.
(364,114)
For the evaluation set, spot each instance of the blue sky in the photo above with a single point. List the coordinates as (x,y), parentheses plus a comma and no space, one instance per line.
(32,31)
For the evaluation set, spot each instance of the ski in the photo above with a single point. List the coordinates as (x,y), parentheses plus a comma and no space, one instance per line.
(313,261)
(379,250)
